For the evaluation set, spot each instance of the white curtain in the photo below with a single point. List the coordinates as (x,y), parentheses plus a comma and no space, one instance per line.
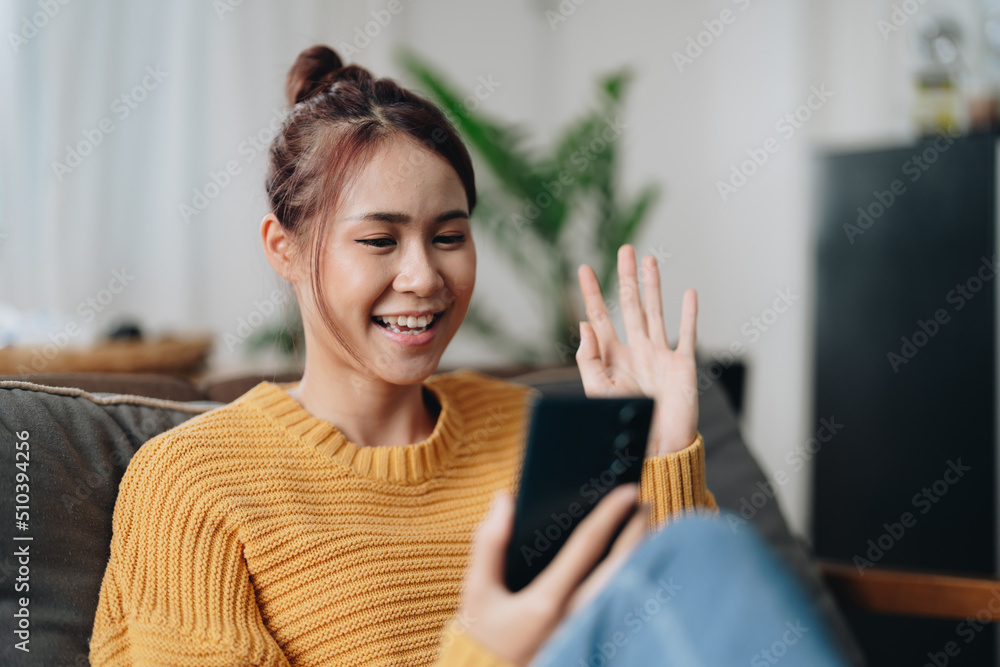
(119,114)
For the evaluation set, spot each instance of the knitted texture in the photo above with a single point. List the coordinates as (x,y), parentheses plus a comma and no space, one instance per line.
(257,534)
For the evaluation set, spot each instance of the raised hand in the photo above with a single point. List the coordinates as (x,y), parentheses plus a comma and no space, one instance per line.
(646,365)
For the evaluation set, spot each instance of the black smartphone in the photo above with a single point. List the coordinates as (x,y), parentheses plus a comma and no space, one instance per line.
(578,450)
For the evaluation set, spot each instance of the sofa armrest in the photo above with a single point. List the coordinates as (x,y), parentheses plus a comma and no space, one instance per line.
(906,593)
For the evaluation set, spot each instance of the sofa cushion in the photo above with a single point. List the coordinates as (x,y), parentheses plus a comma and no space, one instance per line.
(79,445)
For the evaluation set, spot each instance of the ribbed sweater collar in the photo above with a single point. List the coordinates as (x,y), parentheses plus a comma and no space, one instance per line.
(403,464)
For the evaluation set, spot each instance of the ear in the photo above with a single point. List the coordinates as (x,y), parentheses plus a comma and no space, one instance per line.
(278,248)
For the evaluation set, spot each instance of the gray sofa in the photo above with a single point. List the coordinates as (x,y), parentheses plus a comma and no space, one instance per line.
(80,443)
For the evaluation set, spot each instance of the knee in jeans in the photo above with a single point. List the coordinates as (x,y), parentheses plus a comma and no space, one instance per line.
(710,531)
(692,538)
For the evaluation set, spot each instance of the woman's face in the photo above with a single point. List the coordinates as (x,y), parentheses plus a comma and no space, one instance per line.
(399,246)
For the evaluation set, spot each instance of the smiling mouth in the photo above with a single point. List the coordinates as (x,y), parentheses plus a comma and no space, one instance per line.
(413,331)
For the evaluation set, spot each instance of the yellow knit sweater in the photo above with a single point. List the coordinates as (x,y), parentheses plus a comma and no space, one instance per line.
(256,534)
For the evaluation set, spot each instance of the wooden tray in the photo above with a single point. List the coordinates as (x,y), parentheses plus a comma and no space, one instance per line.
(166,355)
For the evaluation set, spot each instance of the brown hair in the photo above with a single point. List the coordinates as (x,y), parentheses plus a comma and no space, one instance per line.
(339,117)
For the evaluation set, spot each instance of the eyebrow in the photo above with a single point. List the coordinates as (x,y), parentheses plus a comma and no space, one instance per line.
(402,218)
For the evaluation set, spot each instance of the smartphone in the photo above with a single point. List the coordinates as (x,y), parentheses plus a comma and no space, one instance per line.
(578,450)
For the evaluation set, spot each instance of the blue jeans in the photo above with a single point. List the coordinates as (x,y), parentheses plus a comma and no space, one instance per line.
(695,593)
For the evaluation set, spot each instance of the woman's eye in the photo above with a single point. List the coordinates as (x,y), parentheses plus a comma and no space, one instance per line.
(377,243)
(448,239)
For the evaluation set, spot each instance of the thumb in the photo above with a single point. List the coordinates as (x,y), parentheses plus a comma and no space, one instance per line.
(489,552)
(588,359)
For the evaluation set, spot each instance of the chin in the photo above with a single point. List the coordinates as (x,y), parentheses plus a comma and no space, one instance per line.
(414,371)
(399,366)
(402,378)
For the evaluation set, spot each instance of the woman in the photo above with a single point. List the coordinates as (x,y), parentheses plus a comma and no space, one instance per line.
(331,521)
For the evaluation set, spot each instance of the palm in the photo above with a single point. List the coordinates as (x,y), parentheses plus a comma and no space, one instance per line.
(645,365)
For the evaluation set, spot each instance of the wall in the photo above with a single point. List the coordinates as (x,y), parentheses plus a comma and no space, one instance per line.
(687,127)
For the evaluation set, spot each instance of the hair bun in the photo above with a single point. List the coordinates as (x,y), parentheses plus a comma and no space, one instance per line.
(312,70)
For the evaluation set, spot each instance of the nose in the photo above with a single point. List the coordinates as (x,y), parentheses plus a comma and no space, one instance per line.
(418,273)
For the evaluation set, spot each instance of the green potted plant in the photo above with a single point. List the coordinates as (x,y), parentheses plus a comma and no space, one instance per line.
(543,205)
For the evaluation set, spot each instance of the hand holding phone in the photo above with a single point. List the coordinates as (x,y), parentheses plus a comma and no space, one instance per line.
(514,626)
(578,450)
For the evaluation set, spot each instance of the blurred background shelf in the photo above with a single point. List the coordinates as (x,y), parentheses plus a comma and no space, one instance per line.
(184,356)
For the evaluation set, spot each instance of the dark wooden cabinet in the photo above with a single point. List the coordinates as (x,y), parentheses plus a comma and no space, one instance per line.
(906,359)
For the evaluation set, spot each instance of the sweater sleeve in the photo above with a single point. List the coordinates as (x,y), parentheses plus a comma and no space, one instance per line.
(458,649)
(675,483)
(176,590)
(672,484)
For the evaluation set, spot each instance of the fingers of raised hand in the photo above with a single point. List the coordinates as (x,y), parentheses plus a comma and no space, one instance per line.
(689,323)
(588,359)
(628,290)
(597,311)
(651,294)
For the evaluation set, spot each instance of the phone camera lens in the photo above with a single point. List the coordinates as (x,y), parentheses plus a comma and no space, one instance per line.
(624,440)
(627,414)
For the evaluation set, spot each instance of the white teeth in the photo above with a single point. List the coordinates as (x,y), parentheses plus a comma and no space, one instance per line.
(416,324)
